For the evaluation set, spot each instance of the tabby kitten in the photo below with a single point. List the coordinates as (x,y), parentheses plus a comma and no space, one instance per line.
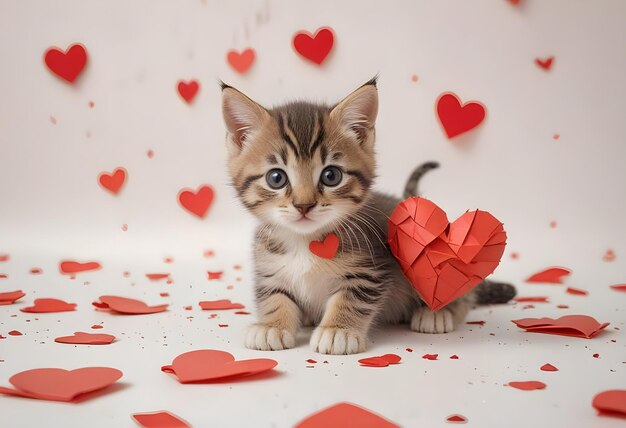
(306,170)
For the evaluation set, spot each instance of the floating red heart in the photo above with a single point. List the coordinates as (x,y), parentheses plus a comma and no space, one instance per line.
(314,48)
(49,305)
(188,90)
(456,118)
(611,403)
(80,338)
(345,415)
(553,275)
(124,305)
(216,305)
(59,384)
(208,365)
(67,65)
(442,260)
(71,267)
(113,182)
(569,325)
(241,61)
(546,64)
(160,419)
(198,202)
(326,249)
(11,297)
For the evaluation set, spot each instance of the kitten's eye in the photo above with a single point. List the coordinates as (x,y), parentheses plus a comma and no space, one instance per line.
(331,176)
(276,178)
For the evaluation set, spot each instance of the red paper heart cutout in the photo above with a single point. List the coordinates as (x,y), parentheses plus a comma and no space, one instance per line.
(71,267)
(198,202)
(582,326)
(67,65)
(381,361)
(327,249)
(611,403)
(442,260)
(214,305)
(456,118)
(113,182)
(49,305)
(345,415)
(80,338)
(209,365)
(314,48)
(188,90)
(59,384)
(241,61)
(547,367)
(11,297)
(553,275)
(160,419)
(546,64)
(529,385)
(456,419)
(124,305)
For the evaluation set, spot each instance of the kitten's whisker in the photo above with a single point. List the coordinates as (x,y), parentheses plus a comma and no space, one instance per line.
(370,248)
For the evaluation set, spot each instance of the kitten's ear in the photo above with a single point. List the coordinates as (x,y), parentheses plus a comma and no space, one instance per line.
(242,115)
(357,112)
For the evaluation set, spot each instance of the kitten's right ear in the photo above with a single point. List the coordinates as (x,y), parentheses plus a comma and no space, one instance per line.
(242,115)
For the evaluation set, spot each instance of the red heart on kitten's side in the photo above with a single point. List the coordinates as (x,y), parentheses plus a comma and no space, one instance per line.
(314,48)
(443,260)
(67,65)
(113,182)
(457,118)
(197,202)
(188,90)
(207,365)
(326,249)
(241,62)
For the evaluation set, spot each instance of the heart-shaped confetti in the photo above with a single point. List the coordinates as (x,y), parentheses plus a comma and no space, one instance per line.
(552,275)
(582,326)
(196,202)
(69,267)
(345,415)
(113,182)
(457,118)
(315,47)
(547,367)
(529,385)
(456,419)
(67,65)
(188,90)
(59,384)
(208,365)
(124,305)
(41,306)
(80,338)
(160,419)
(241,61)
(442,260)
(546,63)
(216,305)
(381,361)
(326,249)
(611,403)
(11,297)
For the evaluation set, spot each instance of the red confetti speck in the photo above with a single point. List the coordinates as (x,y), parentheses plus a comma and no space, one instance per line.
(3,276)
(529,385)
(409,350)
(242,313)
(514,255)
(576,291)
(124,227)
(4,257)
(91,104)
(556,136)
(216,305)
(168,260)
(223,325)
(311,361)
(619,287)
(562,306)
(14,333)
(534,299)
(553,224)
(230,287)
(608,256)
(126,274)
(213,316)
(53,120)
(164,294)
(187,308)
(96,326)
(150,154)
(528,307)
(237,267)
(208,253)
(414,78)
(157,276)
(430,356)
(456,419)
(549,368)
(215,275)
(481,323)
(594,355)
(454,357)
(36,271)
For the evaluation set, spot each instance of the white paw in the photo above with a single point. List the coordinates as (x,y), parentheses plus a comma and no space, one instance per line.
(337,341)
(426,321)
(268,338)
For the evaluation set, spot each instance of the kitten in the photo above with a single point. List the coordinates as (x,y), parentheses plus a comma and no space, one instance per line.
(306,170)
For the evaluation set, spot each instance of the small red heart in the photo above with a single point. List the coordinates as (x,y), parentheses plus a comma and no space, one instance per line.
(160,419)
(71,267)
(124,305)
(314,48)
(326,249)
(113,182)
(380,361)
(552,275)
(611,403)
(457,118)
(218,305)
(10,297)
(59,384)
(208,365)
(546,64)
(241,61)
(442,260)
(80,338)
(67,65)
(198,202)
(528,385)
(345,415)
(41,306)
(188,90)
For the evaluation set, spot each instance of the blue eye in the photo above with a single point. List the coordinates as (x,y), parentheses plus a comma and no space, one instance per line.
(276,178)
(331,176)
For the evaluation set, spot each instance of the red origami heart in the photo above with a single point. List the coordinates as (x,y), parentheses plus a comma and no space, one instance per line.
(59,384)
(326,249)
(241,61)
(66,65)
(188,90)
(456,118)
(113,182)
(209,365)
(442,260)
(197,203)
(314,48)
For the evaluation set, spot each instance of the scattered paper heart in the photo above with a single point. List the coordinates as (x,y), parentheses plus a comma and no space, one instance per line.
(113,182)
(67,65)
(546,63)
(241,61)
(456,419)
(553,275)
(315,47)
(431,357)
(582,326)
(196,202)
(535,299)
(548,368)
(188,90)
(160,419)
(124,305)
(619,287)
(576,291)
(11,297)
(381,361)
(457,118)
(217,305)
(611,403)
(529,385)
(211,275)
(326,249)
(157,276)
(345,415)
(80,338)
(47,305)
(71,267)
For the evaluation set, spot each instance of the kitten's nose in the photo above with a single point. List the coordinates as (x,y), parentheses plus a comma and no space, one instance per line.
(305,208)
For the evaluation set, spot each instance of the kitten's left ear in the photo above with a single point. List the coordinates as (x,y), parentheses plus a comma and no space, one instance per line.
(243,117)
(357,112)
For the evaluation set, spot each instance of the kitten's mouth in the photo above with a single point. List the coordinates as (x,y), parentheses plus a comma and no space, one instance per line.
(303,219)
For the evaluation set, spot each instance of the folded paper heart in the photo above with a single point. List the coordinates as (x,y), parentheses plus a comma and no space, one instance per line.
(569,325)
(124,305)
(345,415)
(11,297)
(80,338)
(219,305)
(59,384)
(41,306)
(208,365)
(160,419)
(611,403)
(443,260)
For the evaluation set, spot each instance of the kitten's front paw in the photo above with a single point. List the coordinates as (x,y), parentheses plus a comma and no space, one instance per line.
(268,338)
(337,341)
(426,321)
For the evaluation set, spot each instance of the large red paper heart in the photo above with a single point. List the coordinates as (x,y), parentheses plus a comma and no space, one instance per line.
(569,325)
(66,65)
(611,403)
(345,415)
(442,260)
(113,182)
(314,48)
(456,118)
(188,90)
(326,249)
(198,202)
(241,61)
(209,365)
(59,384)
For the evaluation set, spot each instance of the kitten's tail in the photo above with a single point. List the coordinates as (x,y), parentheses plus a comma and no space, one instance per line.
(494,292)
(411,185)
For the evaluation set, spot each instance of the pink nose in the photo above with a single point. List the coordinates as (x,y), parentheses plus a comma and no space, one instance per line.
(305,208)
